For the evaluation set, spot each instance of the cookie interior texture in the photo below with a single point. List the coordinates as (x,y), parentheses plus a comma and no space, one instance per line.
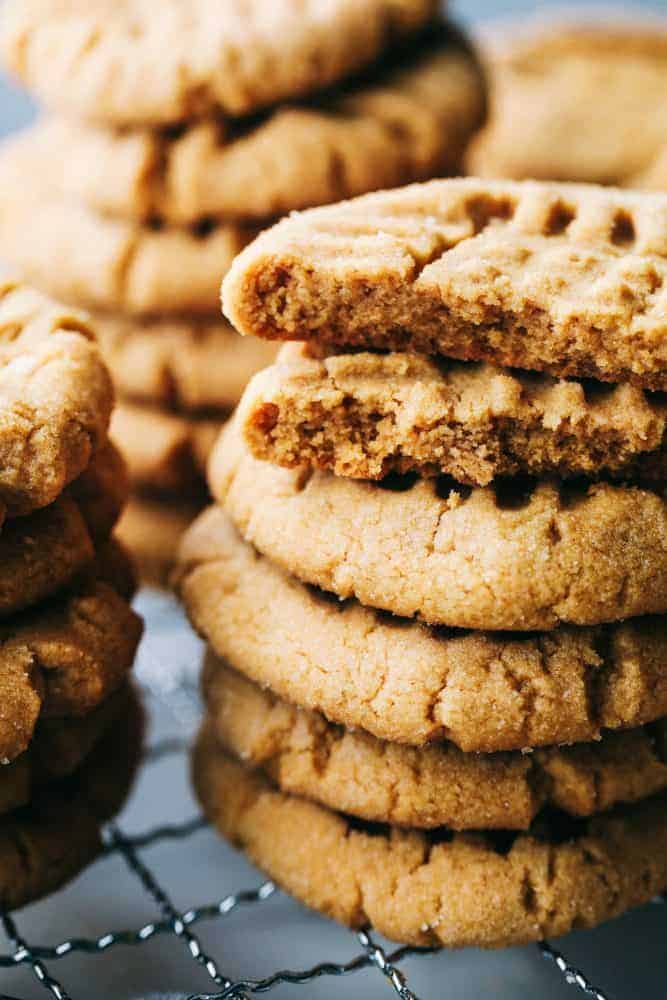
(366,415)
(565,279)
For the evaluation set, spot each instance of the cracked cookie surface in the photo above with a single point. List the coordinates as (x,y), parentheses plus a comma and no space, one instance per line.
(452,889)
(517,555)
(366,415)
(55,397)
(427,787)
(566,279)
(66,657)
(406,683)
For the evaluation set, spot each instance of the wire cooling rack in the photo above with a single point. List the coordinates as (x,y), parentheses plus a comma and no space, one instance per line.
(46,969)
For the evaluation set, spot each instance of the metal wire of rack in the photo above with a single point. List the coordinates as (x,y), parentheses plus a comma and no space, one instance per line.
(180,925)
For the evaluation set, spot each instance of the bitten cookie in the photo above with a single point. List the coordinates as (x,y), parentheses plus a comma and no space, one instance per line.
(55,397)
(366,415)
(355,773)
(406,683)
(517,555)
(407,119)
(443,888)
(116,62)
(566,279)
(574,102)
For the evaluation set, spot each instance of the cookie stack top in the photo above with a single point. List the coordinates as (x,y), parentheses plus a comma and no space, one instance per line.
(441,532)
(67,633)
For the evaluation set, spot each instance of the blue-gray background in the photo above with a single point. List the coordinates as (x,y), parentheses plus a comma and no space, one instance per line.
(627,958)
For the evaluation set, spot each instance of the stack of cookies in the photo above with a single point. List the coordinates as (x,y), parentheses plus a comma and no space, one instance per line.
(175,139)
(434,585)
(69,723)
(577,101)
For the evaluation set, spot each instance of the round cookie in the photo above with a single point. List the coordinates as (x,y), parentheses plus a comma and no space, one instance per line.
(57,750)
(546,118)
(164,451)
(119,63)
(355,773)
(517,555)
(55,397)
(366,415)
(443,888)
(65,658)
(151,528)
(404,682)
(45,844)
(184,366)
(409,119)
(562,278)
(108,264)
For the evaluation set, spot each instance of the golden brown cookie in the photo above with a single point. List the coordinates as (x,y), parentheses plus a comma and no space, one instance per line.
(164,451)
(355,773)
(520,554)
(66,657)
(574,102)
(440,888)
(55,397)
(403,682)
(407,120)
(58,749)
(42,553)
(108,264)
(366,415)
(101,492)
(566,279)
(184,366)
(151,528)
(116,62)
(48,842)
